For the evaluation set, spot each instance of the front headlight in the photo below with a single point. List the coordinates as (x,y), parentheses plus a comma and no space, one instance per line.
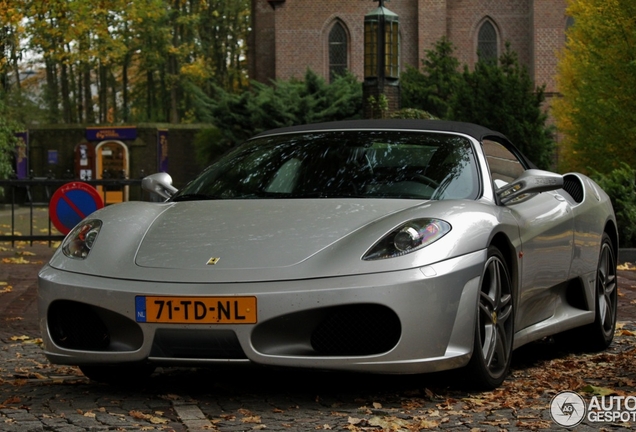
(408,237)
(79,242)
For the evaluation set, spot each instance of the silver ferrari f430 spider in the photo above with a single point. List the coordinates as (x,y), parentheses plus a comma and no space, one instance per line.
(386,246)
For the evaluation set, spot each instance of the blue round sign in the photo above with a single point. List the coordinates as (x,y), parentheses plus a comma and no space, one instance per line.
(71,203)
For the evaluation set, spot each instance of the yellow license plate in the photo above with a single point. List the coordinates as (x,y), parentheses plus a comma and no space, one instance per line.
(196,310)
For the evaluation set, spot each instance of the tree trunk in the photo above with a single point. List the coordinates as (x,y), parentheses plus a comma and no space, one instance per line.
(66,95)
(89,115)
(112,112)
(150,84)
(124,89)
(52,93)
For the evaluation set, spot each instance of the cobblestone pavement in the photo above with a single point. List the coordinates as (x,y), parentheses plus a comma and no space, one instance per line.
(38,396)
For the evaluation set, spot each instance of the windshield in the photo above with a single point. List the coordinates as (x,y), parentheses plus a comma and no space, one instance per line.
(342,164)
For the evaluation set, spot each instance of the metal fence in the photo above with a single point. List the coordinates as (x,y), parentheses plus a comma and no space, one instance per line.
(29,196)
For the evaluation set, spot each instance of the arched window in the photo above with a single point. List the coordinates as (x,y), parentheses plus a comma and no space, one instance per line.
(337,51)
(487,43)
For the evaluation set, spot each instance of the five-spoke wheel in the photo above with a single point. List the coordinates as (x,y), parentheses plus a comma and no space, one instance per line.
(599,335)
(494,329)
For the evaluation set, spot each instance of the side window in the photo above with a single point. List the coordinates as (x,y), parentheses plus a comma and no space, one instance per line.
(504,165)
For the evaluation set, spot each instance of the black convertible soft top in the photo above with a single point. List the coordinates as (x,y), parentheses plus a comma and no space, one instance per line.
(470,129)
(473,130)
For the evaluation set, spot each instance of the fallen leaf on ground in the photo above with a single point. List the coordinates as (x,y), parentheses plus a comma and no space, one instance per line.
(598,391)
(148,417)
(12,400)
(389,423)
(251,419)
(18,260)
(354,421)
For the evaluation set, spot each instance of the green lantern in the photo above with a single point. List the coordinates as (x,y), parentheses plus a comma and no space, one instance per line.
(381,44)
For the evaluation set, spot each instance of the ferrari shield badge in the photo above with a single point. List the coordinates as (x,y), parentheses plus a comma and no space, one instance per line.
(213,261)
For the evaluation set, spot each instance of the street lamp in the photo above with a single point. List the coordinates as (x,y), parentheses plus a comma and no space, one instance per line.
(381,61)
(381,44)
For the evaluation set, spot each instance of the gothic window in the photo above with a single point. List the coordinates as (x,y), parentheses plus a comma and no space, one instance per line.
(337,51)
(487,43)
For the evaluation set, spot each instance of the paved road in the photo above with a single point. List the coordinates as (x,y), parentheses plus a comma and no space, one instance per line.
(37,396)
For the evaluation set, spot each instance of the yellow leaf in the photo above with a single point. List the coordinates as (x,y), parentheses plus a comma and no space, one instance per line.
(598,391)
(354,421)
(18,260)
(428,424)
(157,420)
(251,419)
(389,423)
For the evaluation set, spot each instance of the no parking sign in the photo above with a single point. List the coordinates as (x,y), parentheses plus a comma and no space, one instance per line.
(71,203)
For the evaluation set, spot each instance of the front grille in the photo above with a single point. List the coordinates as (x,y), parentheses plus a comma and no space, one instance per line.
(76,325)
(357,330)
(197,344)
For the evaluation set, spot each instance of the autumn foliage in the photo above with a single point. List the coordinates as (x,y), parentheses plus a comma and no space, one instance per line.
(597,80)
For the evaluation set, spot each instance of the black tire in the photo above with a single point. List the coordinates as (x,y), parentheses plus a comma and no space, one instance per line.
(494,325)
(600,334)
(127,374)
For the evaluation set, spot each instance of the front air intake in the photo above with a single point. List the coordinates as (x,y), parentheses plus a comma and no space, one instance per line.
(356,330)
(75,325)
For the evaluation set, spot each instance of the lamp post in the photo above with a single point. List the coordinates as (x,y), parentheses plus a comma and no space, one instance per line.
(381,89)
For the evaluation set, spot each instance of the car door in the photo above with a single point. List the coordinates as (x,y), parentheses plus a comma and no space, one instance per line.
(546,230)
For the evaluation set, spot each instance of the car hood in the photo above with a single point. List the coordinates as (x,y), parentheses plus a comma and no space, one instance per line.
(229,241)
(245,235)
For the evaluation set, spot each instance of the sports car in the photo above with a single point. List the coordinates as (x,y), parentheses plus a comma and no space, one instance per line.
(385,246)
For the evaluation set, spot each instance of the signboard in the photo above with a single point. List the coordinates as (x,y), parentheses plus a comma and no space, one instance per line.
(71,203)
(52,157)
(107,133)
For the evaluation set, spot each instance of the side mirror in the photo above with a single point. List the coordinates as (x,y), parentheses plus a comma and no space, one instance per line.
(532,181)
(159,183)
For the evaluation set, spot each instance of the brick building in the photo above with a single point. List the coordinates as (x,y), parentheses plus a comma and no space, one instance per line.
(290,36)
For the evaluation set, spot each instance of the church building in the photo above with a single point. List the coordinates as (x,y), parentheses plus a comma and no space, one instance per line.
(327,36)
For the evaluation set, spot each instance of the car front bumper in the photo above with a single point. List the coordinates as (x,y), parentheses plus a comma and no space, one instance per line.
(409,321)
